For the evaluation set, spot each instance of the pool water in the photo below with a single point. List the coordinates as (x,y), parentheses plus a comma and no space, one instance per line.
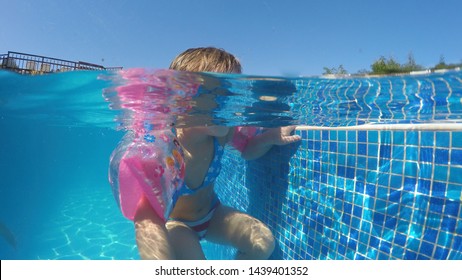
(377,175)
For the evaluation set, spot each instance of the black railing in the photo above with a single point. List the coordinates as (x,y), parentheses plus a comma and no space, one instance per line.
(34,64)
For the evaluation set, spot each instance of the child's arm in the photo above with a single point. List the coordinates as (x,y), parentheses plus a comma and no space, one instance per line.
(256,146)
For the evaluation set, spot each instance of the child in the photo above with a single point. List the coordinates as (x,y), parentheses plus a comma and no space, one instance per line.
(197,212)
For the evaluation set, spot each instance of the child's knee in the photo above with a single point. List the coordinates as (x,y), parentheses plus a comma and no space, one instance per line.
(262,241)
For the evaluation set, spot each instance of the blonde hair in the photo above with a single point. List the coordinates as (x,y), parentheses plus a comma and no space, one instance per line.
(207,59)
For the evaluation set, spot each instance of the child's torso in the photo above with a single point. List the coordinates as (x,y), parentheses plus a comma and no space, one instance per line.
(198,154)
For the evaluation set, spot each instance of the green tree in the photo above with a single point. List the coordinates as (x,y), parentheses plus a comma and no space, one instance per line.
(379,66)
(328,71)
(441,64)
(386,66)
(335,71)
(411,65)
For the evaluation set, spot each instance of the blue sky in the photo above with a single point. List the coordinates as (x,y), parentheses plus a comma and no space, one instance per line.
(269,37)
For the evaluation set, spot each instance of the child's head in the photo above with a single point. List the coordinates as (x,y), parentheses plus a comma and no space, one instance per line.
(208,59)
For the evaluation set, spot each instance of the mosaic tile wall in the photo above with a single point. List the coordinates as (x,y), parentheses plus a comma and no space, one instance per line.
(355,194)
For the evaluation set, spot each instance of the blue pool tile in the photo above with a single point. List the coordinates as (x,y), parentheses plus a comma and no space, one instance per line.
(409,255)
(362,149)
(333,147)
(426,248)
(351,148)
(370,189)
(448,224)
(398,138)
(341,249)
(372,164)
(422,257)
(444,239)
(397,252)
(382,192)
(457,245)
(410,169)
(385,247)
(380,205)
(397,152)
(455,174)
(372,136)
(363,238)
(430,235)
(410,183)
(441,253)
(357,211)
(385,151)
(456,139)
(342,135)
(310,144)
(350,172)
(456,157)
(400,239)
(351,161)
(454,192)
(362,136)
(427,139)
(413,244)
(442,139)
(347,207)
(423,186)
(426,155)
(436,205)
(396,181)
(351,136)
(441,156)
(390,222)
(412,138)
(452,208)
(393,209)
(439,189)
(346,219)
(378,218)
(374,242)
(341,170)
(372,254)
(412,153)
(333,135)
(372,150)
(317,145)
(440,173)
(352,244)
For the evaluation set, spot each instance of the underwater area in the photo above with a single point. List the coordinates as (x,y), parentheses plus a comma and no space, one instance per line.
(377,174)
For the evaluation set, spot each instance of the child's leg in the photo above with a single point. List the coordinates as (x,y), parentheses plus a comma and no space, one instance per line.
(251,237)
(151,234)
(185,242)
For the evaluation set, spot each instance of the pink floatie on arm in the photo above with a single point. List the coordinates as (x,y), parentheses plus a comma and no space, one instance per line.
(241,137)
(154,169)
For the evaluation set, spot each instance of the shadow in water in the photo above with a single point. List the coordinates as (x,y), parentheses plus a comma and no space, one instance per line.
(6,234)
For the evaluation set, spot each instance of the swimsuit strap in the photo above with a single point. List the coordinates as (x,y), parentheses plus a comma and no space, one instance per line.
(212,172)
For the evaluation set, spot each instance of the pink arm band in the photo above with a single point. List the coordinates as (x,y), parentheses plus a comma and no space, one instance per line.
(241,137)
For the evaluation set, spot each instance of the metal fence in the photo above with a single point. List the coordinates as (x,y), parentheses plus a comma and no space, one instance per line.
(34,64)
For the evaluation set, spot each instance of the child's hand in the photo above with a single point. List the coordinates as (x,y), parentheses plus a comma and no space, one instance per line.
(282,135)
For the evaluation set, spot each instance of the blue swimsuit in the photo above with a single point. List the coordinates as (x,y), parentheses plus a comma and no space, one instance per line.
(201,225)
(212,173)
